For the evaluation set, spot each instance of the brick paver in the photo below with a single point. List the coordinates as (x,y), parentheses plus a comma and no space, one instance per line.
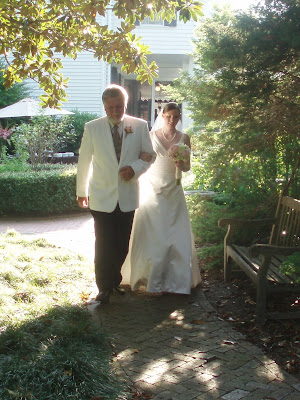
(176,347)
(171,346)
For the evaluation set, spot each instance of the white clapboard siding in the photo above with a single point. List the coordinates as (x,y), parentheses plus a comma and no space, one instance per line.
(164,39)
(168,39)
(87,78)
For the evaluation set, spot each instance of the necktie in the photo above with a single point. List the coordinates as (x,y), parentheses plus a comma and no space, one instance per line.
(117,141)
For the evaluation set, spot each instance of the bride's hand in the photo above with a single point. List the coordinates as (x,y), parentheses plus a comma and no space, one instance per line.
(147,157)
(183,165)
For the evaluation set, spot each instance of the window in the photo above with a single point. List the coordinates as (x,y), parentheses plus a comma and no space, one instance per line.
(156,21)
(148,21)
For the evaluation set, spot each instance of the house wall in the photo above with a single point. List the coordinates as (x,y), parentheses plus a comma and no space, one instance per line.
(88,77)
(168,39)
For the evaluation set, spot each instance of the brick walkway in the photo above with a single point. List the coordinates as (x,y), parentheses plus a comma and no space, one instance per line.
(172,346)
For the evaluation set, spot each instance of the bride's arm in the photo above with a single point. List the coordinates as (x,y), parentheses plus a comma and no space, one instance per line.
(147,157)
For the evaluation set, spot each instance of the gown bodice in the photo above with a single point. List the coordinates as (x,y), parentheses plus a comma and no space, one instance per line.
(162,172)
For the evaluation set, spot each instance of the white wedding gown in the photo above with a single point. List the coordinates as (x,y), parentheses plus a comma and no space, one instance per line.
(162,255)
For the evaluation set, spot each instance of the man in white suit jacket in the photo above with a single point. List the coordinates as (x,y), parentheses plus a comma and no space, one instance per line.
(107,183)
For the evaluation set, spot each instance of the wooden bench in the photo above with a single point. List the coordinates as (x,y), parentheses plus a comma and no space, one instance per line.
(261,262)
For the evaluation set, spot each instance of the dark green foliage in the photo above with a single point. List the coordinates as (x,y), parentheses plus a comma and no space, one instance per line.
(78,121)
(244,101)
(42,192)
(205,214)
(292,266)
(43,135)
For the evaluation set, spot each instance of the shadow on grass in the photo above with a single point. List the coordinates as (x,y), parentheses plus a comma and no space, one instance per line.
(60,355)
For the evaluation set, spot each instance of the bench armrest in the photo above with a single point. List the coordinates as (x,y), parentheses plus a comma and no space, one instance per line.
(269,250)
(234,223)
(242,222)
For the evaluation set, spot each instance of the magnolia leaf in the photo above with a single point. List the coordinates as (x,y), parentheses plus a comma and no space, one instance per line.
(44,30)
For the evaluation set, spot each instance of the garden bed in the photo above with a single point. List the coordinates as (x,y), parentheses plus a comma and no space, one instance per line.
(235,302)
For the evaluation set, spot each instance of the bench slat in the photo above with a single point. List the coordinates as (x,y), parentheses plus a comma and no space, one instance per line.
(275,268)
(243,264)
(254,263)
(275,265)
(285,232)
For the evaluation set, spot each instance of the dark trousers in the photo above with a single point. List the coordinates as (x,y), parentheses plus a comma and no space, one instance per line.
(112,234)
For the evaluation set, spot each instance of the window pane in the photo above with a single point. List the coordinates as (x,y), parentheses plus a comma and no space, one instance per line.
(147,21)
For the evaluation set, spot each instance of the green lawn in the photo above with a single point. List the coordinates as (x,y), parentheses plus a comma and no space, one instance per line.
(50,348)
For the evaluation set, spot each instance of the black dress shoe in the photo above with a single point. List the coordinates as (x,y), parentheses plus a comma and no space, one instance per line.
(103,297)
(119,290)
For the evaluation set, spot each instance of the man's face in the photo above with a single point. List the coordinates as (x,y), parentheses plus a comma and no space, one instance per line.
(115,109)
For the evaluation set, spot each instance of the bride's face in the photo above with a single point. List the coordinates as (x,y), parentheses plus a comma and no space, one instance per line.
(171,118)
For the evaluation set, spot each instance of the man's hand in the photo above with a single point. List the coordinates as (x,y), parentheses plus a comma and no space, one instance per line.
(126,173)
(83,202)
(147,157)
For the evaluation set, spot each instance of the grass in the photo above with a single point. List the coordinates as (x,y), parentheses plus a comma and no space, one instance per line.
(50,347)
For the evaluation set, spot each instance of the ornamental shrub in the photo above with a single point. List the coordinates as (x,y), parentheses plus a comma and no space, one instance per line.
(46,191)
(77,120)
(42,135)
(209,238)
(291,266)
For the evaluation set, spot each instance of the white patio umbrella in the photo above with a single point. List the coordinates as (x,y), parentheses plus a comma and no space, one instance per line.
(29,108)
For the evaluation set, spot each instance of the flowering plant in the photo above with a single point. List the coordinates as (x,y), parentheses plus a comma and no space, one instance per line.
(179,152)
(128,129)
(5,133)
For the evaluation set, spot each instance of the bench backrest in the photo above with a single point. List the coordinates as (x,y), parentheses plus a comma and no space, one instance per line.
(286,230)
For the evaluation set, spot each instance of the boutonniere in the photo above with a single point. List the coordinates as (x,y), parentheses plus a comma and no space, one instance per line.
(128,129)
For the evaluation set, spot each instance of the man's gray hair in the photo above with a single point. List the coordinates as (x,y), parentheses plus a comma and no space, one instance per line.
(115,91)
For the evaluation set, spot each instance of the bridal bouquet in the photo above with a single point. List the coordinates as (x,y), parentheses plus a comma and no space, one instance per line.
(179,152)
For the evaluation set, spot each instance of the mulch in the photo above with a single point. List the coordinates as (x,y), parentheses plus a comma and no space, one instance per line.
(235,302)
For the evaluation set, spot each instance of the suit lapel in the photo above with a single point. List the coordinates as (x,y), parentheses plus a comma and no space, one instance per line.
(124,140)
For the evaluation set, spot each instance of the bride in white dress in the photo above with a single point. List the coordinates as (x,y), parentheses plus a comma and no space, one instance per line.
(162,255)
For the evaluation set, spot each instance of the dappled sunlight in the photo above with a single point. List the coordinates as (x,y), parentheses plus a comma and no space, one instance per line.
(168,346)
(270,372)
(179,338)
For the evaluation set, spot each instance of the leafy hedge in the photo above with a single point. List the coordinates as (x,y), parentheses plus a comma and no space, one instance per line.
(43,192)
(204,215)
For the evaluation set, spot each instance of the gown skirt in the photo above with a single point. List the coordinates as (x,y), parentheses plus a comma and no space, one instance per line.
(162,255)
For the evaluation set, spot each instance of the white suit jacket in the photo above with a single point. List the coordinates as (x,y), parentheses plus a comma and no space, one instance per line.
(97,170)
